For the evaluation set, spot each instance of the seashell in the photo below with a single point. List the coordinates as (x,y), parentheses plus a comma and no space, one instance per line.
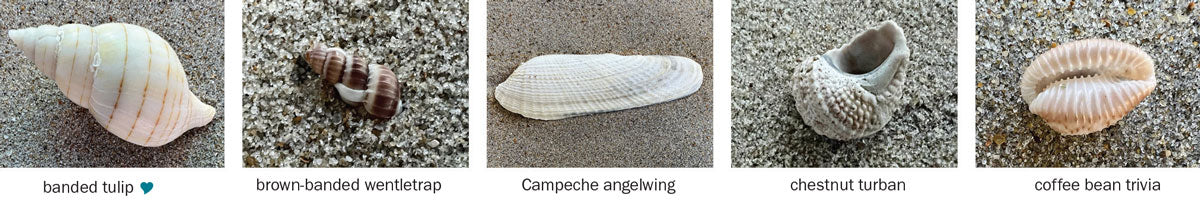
(1084,86)
(851,92)
(356,81)
(552,87)
(128,77)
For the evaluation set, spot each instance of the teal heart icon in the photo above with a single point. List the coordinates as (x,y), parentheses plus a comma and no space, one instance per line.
(146,187)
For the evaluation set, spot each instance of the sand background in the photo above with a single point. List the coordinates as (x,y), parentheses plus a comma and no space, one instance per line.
(295,119)
(770,36)
(42,128)
(671,134)
(1159,132)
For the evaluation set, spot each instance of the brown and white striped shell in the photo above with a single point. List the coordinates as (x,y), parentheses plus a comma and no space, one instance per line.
(356,80)
(128,77)
(1085,86)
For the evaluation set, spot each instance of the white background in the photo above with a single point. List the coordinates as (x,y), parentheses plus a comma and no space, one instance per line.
(721,184)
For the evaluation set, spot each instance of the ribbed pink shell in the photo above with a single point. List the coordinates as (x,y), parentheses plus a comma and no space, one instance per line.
(1085,86)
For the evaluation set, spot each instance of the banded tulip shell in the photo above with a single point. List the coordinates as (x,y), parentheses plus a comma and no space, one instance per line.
(852,91)
(1085,86)
(128,77)
(355,81)
(552,87)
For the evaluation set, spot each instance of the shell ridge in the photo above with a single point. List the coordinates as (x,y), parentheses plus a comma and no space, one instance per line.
(146,87)
(158,117)
(176,112)
(121,82)
(40,52)
(71,70)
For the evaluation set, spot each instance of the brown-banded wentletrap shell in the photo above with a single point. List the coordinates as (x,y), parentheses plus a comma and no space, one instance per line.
(852,91)
(128,77)
(356,80)
(1085,86)
(552,87)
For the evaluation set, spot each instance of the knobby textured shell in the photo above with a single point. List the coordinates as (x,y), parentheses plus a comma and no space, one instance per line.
(128,77)
(1084,86)
(552,87)
(356,81)
(852,91)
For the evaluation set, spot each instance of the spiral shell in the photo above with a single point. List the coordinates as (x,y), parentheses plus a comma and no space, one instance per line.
(1085,86)
(128,77)
(852,91)
(552,87)
(356,81)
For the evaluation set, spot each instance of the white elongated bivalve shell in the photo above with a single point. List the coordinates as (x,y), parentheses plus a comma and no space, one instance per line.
(127,76)
(552,87)
(852,91)
(1085,86)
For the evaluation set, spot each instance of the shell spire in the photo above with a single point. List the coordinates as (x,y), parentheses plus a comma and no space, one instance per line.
(356,81)
(127,76)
